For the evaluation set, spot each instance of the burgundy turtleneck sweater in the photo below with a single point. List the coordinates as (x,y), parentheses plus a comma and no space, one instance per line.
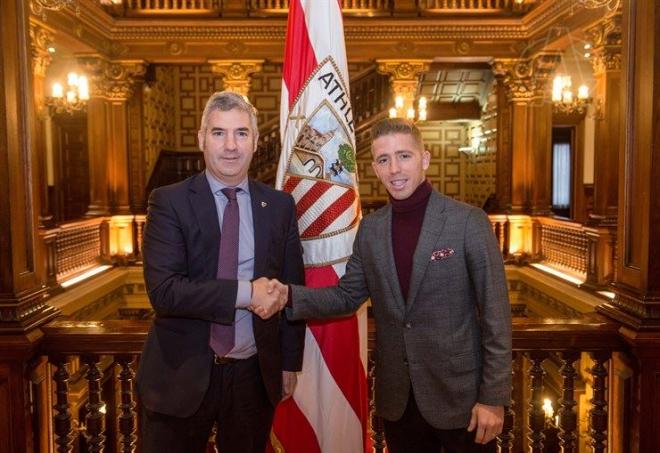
(407,218)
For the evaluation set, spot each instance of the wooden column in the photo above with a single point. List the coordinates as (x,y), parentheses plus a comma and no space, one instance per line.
(236,74)
(602,222)
(637,280)
(111,85)
(404,77)
(22,268)
(527,119)
(41,39)
(503,160)
(606,39)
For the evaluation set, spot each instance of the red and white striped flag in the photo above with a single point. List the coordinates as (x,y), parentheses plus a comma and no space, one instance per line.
(328,411)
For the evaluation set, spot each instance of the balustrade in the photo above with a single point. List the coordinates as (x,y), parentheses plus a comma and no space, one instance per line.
(74,247)
(564,244)
(349,7)
(536,339)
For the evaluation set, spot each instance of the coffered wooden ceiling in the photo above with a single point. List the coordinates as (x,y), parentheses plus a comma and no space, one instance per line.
(469,85)
(430,29)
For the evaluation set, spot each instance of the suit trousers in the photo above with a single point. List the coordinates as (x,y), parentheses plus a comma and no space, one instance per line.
(412,434)
(236,400)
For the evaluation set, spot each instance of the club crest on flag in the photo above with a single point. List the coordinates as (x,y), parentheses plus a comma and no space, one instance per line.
(321,170)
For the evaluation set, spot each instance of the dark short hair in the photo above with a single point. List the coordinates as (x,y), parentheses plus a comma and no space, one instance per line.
(389,126)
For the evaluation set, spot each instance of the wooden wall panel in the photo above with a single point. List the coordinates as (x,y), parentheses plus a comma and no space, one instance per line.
(265,91)
(480,169)
(159,116)
(194,84)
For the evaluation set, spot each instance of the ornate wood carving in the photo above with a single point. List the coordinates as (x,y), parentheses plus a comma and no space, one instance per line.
(236,74)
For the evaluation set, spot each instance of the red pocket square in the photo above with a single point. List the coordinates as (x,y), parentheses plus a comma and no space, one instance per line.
(441,254)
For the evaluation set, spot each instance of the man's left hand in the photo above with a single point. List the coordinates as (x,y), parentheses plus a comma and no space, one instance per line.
(289,381)
(488,421)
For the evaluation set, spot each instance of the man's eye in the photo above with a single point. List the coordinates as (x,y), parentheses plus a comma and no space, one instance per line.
(218,133)
(404,156)
(242,134)
(381,161)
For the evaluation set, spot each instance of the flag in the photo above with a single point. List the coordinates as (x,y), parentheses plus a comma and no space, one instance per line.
(328,411)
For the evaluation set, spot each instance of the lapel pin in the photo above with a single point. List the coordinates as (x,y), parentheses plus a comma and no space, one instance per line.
(264,204)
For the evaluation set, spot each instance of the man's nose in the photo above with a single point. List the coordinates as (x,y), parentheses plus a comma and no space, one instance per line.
(230,142)
(394,166)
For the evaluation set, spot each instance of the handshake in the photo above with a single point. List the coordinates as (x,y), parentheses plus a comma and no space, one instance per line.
(268,297)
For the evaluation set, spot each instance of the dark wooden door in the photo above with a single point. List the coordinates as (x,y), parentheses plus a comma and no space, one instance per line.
(72,166)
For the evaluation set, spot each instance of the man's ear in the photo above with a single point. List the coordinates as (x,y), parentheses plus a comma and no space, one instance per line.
(200,139)
(426,159)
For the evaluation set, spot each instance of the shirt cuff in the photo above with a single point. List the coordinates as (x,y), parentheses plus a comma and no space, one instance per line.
(244,294)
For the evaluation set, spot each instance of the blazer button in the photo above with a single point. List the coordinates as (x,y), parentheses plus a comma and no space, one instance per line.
(405,362)
(408,325)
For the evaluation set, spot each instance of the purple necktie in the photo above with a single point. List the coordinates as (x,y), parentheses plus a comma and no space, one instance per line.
(222,336)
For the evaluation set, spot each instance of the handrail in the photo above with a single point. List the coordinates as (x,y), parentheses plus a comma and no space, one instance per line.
(592,332)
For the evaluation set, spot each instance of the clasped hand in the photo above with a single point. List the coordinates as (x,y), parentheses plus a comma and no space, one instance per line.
(268,297)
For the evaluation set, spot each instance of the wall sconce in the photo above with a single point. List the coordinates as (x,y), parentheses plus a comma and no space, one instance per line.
(75,98)
(563,99)
(410,112)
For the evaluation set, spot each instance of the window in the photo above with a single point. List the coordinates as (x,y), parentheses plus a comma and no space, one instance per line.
(561,171)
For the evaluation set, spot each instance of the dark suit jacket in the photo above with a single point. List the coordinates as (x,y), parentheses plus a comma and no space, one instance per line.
(451,339)
(180,250)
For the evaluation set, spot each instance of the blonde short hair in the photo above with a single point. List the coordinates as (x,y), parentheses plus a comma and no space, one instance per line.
(389,126)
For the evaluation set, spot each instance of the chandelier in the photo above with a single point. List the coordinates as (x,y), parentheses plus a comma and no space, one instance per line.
(563,98)
(75,98)
(400,111)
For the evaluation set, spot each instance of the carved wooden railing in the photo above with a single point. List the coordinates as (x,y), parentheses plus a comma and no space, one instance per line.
(563,244)
(74,247)
(564,340)
(261,8)
(348,6)
(479,7)
(172,7)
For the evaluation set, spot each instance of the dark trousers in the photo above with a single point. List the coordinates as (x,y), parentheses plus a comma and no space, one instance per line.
(236,400)
(412,434)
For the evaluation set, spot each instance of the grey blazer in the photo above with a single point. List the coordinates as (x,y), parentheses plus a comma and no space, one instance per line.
(451,340)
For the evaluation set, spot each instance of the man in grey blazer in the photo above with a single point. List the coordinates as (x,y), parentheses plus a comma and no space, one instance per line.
(434,273)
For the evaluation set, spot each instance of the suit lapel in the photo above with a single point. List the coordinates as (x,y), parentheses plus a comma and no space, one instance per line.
(260,222)
(434,222)
(387,257)
(203,205)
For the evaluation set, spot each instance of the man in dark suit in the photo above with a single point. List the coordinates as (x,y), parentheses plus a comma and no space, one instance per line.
(434,273)
(207,358)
